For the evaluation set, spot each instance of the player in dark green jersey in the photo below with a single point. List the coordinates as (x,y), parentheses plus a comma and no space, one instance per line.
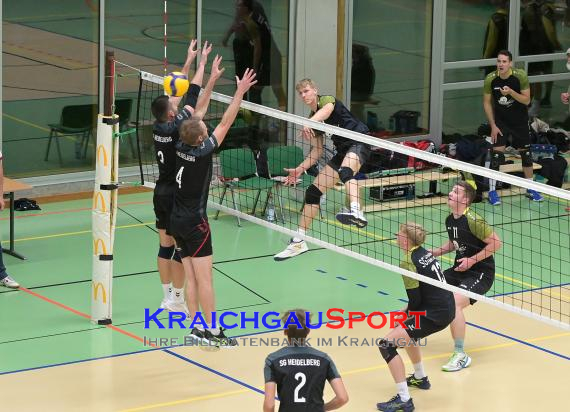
(474,242)
(438,304)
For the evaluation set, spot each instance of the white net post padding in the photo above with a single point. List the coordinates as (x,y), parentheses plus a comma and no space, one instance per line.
(104,217)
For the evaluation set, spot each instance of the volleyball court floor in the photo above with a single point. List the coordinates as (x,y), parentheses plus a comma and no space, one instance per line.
(53,358)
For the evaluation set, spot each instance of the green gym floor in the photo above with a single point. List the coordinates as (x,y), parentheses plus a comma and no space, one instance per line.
(47,340)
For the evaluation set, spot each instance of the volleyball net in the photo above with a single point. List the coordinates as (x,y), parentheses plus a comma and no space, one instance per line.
(397,184)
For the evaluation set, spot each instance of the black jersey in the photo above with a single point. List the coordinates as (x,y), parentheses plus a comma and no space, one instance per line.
(165,136)
(300,373)
(438,303)
(193,176)
(341,117)
(505,108)
(467,234)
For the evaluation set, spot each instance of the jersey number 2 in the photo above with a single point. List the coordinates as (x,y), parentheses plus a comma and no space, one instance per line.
(303,379)
(179,177)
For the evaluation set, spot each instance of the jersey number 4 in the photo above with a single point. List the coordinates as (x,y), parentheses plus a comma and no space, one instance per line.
(299,376)
(179,177)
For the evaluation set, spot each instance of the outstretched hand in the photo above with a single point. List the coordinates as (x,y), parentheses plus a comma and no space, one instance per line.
(205,51)
(245,83)
(216,72)
(192,50)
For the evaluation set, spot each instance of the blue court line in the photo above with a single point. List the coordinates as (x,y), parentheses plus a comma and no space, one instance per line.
(529,290)
(79,361)
(215,372)
(519,341)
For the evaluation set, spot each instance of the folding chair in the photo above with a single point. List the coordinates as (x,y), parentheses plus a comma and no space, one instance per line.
(123,109)
(240,164)
(280,158)
(76,121)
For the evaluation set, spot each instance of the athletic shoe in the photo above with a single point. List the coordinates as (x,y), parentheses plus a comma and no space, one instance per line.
(176,306)
(352,217)
(292,250)
(494,198)
(220,340)
(163,303)
(396,405)
(422,383)
(534,195)
(457,362)
(8,282)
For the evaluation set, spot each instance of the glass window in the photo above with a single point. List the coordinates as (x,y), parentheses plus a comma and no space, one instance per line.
(476,29)
(391,63)
(49,62)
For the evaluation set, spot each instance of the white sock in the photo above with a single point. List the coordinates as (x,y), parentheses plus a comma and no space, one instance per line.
(403,391)
(177,294)
(302,232)
(214,331)
(166,289)
(354,206)
(419,370)
(492,185)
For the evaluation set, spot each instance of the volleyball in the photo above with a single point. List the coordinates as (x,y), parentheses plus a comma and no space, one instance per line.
(176,84)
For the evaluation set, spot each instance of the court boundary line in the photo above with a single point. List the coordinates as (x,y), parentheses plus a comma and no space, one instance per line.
(128,334)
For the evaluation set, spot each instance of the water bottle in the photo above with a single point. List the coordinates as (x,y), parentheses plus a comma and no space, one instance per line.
(323,202)
(270,213)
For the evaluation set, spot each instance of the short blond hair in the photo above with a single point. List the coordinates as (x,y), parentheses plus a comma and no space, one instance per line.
(415,233)
(304,83)
(190,131)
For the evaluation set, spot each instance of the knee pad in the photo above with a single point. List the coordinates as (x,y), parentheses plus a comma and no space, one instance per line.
(388,350)
(313,195)
(165,252)
(497,158)
(345,174)
(177,257)
(526,157)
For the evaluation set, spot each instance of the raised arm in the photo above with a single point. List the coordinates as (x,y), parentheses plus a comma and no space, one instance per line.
(204,99)
(243,85)
(192,53)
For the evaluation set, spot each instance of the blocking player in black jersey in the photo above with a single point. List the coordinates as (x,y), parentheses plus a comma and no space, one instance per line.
(506,94)
(349,157)
(297,373)
(189,221)
(474,242)
(436,302)
(165,135)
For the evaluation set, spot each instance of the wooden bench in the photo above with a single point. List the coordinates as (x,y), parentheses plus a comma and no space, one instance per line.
(434,177)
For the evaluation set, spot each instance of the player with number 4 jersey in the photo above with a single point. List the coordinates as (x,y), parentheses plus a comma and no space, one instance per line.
(189,221)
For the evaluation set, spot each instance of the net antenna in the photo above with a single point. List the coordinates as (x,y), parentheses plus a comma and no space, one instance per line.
(104,210)
(531,277)
(165,23)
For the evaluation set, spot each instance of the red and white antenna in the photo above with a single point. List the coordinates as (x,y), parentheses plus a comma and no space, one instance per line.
(165,22)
